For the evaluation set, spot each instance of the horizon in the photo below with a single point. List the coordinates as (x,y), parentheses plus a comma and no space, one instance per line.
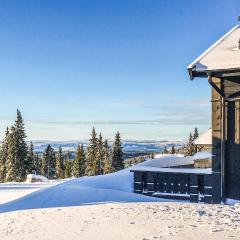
(118,66)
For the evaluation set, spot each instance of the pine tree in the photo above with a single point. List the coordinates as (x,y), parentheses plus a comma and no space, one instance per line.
(12,175)
(165,150)
(190,147)
(4,156)
(29,163)
(17,151)
(195,134)
(79,163)
(91,160)
(117,154)
(173,150)
(60,164)
(99,155)
(20,146)
(37,164)
(68,166)
(48,163)
(107,163)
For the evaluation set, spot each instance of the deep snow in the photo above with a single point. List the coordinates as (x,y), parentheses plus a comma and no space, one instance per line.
(115,187)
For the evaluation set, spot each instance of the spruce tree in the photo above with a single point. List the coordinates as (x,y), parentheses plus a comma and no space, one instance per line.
(20,146)
(48,163)
(37,164)
(29,163)
(60,164)
(173,150)
(165,150)
(17,151)
(79,163)
(107,163)
(68,166)
(4,156)
(91,160)
(117,154)
(12,173)
(190,147)
(99,155)
(195,134)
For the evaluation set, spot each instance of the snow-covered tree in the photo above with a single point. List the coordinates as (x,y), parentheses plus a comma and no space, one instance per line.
(29,163)
(68,166)
(48,163)
(37,164)
(17,151)
(79,163)
(173,151)
(99,155)
(195,134)
(91,160)
(190,148)
(60,164)
(107,162)
(4,156)
(165,151)
(12,173)
(117,154)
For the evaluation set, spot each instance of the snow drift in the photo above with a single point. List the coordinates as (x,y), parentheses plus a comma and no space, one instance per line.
(115,187)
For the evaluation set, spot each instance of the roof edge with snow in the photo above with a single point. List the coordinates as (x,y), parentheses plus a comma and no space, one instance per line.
(198,69)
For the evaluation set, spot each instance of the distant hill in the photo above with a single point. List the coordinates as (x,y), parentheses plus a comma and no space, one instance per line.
(129,146)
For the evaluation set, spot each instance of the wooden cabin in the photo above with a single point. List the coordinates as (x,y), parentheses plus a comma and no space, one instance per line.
(220,65)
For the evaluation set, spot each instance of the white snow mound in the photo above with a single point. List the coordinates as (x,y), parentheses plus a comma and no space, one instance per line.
(31,178)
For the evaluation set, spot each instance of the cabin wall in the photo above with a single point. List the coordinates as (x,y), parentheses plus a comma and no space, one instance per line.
(232,156)
(184,186)
(231,89)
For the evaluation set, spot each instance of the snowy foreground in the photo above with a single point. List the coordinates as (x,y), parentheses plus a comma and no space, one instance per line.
(105,207)
(127,221)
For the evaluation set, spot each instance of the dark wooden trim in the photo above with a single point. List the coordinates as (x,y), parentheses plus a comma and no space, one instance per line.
(218,90)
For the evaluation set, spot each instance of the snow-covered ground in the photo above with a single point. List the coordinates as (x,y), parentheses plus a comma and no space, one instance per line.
(124,221)
(12,191)
(105,207)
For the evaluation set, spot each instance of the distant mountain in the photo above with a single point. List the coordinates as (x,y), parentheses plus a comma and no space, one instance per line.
(129,146)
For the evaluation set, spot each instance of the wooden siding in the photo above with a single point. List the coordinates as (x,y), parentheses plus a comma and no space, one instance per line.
(184,186)
(231,89)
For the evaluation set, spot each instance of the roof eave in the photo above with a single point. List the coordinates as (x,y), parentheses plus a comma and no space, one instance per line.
(214,73)
(193,73)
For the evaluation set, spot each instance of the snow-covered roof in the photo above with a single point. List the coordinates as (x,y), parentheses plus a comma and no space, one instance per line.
(166,163)
(224,55)
(174,170)
(205,138)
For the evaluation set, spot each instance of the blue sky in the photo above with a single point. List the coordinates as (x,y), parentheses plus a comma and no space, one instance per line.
(117,65)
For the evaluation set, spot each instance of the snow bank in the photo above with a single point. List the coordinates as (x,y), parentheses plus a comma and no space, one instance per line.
(31,178)
(115,187)
(202,155)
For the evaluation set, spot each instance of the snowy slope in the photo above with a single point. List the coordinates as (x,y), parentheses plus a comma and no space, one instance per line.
(115,187)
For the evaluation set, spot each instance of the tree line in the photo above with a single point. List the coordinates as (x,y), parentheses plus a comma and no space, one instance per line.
(17,159)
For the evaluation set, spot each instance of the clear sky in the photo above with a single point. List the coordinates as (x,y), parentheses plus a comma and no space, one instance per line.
(117,65)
